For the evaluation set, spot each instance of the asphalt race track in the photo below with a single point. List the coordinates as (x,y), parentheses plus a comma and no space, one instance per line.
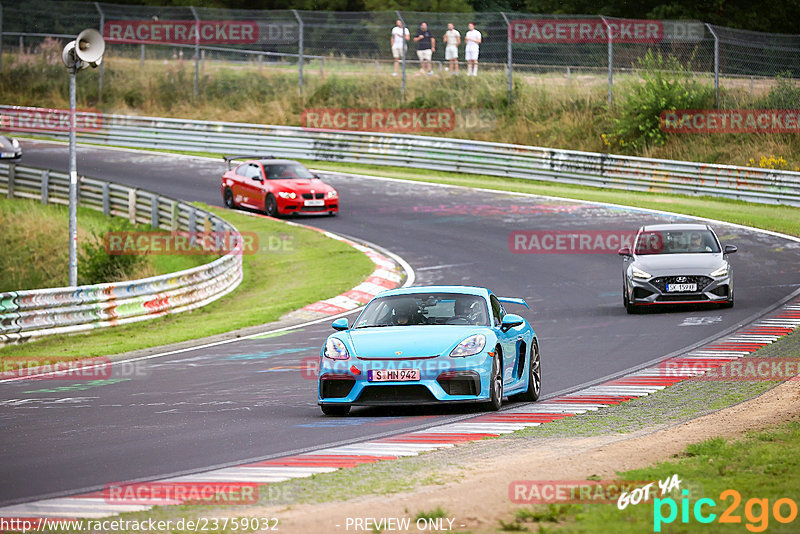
(248,399)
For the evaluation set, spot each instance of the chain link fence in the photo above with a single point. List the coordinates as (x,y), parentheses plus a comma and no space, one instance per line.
(517,45)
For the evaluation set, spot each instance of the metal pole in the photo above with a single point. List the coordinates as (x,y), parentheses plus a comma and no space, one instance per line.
(299,50)
(403,79)
(100,74)
(508,40)
(1,37)
(716,65)
(73,185)
(196,51)
(610,62)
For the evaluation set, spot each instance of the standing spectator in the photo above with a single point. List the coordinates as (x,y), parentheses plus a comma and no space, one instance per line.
(473,38)
(426,46)
(452,40)
(399,46)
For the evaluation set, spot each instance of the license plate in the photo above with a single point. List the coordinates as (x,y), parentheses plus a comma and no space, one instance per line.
(6,154)
(393,375)
(314,203)
(681,288)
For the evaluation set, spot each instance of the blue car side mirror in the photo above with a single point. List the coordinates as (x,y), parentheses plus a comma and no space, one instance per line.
(340,324)
(510,321)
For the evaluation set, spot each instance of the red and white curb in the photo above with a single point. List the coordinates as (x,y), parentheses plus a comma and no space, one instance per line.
(632,386)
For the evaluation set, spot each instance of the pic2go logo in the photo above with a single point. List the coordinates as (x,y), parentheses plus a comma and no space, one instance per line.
(756,511)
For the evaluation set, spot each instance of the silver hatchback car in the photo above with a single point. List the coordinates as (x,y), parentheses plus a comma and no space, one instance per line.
(676,264)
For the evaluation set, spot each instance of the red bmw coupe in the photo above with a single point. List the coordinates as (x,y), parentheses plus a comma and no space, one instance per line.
(276,187)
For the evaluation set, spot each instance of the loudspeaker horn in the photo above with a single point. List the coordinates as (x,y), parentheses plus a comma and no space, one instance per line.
(90,46)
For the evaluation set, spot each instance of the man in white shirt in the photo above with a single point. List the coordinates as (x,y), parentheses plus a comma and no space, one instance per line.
(398,43)
(473,39)
(452,40)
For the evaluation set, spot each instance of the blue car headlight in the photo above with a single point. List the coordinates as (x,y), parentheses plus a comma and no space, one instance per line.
(335,349)
(469,347)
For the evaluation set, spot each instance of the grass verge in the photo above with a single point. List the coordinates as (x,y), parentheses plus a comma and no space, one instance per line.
(35,254)
(293,266)
(760,469)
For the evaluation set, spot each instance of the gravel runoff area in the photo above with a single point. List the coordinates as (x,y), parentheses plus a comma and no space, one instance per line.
(470,482)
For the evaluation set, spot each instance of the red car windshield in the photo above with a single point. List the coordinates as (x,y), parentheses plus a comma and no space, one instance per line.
(287,171)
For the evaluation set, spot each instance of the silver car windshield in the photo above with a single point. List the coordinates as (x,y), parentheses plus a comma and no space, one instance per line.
(425,309)
(676,242)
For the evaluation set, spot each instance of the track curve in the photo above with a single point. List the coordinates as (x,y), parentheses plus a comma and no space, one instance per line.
(246,400)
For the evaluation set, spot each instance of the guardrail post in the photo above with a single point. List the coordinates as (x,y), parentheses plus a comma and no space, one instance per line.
(174,216)
(132,205)
(509,54)
(196,51)
(219,242)
(45,185)
(299,50)
(11,172)
(192,228)
(106,199)
(100,73)
(154,212)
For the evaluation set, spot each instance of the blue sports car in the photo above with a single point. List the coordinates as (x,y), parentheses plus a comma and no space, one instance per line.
(426,345)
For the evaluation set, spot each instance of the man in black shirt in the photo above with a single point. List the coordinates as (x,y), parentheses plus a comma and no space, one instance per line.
(426,46)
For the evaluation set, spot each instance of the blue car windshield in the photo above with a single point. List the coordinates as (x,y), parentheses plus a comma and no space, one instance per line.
(676,242)
(425,309)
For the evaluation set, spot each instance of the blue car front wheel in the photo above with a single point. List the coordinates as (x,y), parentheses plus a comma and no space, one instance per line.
(496,383)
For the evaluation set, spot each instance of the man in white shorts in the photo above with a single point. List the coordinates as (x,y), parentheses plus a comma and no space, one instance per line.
(452,40)
(426,46)
(473,39)
(398,43)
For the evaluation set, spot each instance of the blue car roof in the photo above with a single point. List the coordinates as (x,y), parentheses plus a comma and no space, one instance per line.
(465,290)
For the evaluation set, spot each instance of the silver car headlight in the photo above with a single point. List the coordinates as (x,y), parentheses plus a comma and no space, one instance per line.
(469,347)
(638,273)
(722,271)
(15,143)
(335,349)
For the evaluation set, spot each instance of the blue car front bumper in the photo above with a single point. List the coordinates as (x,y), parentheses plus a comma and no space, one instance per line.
(442,379)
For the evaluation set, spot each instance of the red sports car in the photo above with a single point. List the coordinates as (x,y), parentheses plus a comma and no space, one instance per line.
(276,187)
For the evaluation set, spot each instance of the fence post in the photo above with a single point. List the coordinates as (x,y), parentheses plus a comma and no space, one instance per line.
(1,37)
(141,55)
(299,50)
(403,79)
(196,50)
(610,62)
(45,185)
(12,169)
(100,73)
(716,65)
(509,52)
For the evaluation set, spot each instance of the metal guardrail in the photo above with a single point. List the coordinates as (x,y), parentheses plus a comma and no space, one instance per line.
(429,153)
(40,312)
